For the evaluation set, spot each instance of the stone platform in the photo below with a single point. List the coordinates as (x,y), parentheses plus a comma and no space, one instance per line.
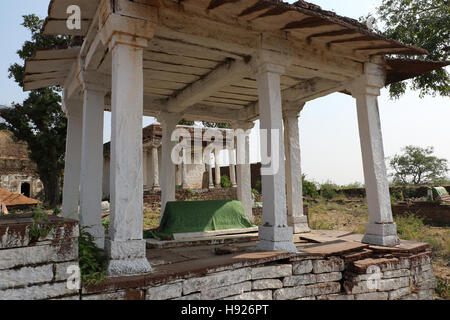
(330,265)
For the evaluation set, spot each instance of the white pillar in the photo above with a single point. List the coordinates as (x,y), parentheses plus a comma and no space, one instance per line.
(169,123)
(210,175)
(72,169)
(381,230)
(92,162)
(217,167)
(126,247)
(155,167)
(232,161)
(274,235)
(184,184)
(294,189)
(243,170)
(145,167)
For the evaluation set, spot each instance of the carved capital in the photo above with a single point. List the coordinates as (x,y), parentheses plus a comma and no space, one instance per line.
(128,23)
(244,125)
(94,81)
(269,61)
(371,82)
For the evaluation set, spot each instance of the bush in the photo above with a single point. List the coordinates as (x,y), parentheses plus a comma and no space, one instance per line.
(92,259)
(309,188)
(328,191)
(258,185)
(225,182)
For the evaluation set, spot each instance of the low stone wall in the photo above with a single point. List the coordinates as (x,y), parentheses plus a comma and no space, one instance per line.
(37,268)
(154,198)
(407,192)
(291,277)
(433,212)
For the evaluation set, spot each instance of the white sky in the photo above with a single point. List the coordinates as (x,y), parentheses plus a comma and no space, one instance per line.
(328,126)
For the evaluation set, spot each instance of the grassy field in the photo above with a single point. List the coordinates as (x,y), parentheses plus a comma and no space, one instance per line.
(353,217)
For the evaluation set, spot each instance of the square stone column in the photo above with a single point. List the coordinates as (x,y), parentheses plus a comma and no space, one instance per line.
(294,189)
(169,123)
(72,168)
(242,130)
(381,229)
(92,162)
(217,167)
(232,161)
(275,234)
(184,173)
(155,165)
(126,247)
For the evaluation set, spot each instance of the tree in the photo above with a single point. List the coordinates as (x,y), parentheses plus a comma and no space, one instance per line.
(426,24)
(418,165)
(39,120)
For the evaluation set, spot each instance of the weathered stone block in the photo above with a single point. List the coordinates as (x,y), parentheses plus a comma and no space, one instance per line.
(254,295)
(427,284)
(372,296)
(336,297)
(222,292)
(396,273)
(307,298)
(427,294)
(118,295)
(392,284)
(216,280)
(422,276)
(278,271)
(291,293)
(267,284)
(302,279)
(331,265)
(38,292)
(63,251)
(25,276)
(194,296)
(420,259)
(164,292)
(62,268)
(399,293)
(324,288)
(302,267)
(360,287)
(329,277)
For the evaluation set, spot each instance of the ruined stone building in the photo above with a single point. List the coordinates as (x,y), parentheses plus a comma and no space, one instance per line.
(188,176)
(17,171)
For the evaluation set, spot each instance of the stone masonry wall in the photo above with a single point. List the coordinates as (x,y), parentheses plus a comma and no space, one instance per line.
(33,269)
(298,278)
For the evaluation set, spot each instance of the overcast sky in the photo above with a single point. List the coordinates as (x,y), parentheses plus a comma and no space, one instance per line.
(328,126)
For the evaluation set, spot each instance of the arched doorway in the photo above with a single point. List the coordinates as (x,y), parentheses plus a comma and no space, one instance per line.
(25,189)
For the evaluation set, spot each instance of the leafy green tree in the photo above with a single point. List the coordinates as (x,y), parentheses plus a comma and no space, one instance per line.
(417,165)
(39,120)
(426,24)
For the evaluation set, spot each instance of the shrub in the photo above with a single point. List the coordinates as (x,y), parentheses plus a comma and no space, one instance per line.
(328,191)
(258,185)
(225,182)
(309,188)
(92,259)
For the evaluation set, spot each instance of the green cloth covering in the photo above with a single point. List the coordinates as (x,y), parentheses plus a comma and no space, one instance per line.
(438,192)
(197,216)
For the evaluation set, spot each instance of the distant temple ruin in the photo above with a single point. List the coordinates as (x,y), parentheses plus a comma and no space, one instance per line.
(17,171)
(189,176)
